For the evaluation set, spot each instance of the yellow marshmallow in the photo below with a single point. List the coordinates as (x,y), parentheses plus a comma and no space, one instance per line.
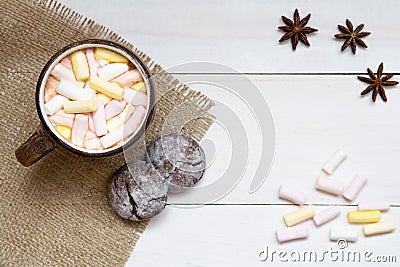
(379,228)
(109,89)
(110,56)
(80,66)
(370,216)
(64,131)
(120,119)
(80,106)
(140,86)
(299,215)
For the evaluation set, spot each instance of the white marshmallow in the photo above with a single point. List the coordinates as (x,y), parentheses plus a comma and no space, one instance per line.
(336,159)
(112,70)
(347,233)
(55,104)
(73,92)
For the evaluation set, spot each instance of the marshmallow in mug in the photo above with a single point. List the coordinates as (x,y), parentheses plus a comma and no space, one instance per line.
(91,94)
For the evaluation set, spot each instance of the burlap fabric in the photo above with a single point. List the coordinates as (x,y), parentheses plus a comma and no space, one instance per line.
(56,213)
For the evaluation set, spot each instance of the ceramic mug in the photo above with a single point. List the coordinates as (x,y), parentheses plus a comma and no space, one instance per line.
(47,139)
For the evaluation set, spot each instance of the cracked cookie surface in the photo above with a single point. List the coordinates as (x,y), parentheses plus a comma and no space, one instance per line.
(137,192)
(179,159)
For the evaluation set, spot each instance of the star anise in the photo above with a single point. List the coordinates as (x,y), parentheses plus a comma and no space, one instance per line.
(377,82)
(295,29)
(353,37)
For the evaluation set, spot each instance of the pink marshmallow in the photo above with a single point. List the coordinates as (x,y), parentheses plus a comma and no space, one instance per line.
(128,78)
(60,72)
(93,143)
(114,107)
(99,119)
(135,98)
(292,233)
(93,65)
(91,123)
(62,118)
(90,135)
(366,204)
(50,88)
(354,187)
(66,61)
(292,195)
(130,126)
(79,129)
(326,215)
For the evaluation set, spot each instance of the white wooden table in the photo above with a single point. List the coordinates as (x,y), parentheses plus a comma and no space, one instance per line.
(314,97)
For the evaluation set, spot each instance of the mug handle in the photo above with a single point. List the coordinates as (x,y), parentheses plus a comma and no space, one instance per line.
(35,148)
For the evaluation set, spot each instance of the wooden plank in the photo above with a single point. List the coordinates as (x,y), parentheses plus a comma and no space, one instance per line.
(235,235)
(244,35)
(313,116)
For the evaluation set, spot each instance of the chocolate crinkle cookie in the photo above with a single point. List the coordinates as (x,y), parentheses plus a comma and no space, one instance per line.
(179,159)
(137,192)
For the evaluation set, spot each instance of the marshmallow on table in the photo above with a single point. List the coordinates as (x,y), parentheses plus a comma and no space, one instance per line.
(109,55)
(112,70)
(109,89)
(93,65)
(292,233)
(130,127)
(61,72)
(347,233)
(80,106)
(55,104)
(120,119)
(336,159)
(129,78)
(80,66)
(292,195)
(135,98)
(366,204)
(99,120)
(79,129)
(114,107)
(329,185)
(299,215)
(354,188)
(370,216)
(379,228)
(73,92)
(326,215)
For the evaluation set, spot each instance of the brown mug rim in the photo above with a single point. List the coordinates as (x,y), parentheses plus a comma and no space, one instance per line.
(149,114)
